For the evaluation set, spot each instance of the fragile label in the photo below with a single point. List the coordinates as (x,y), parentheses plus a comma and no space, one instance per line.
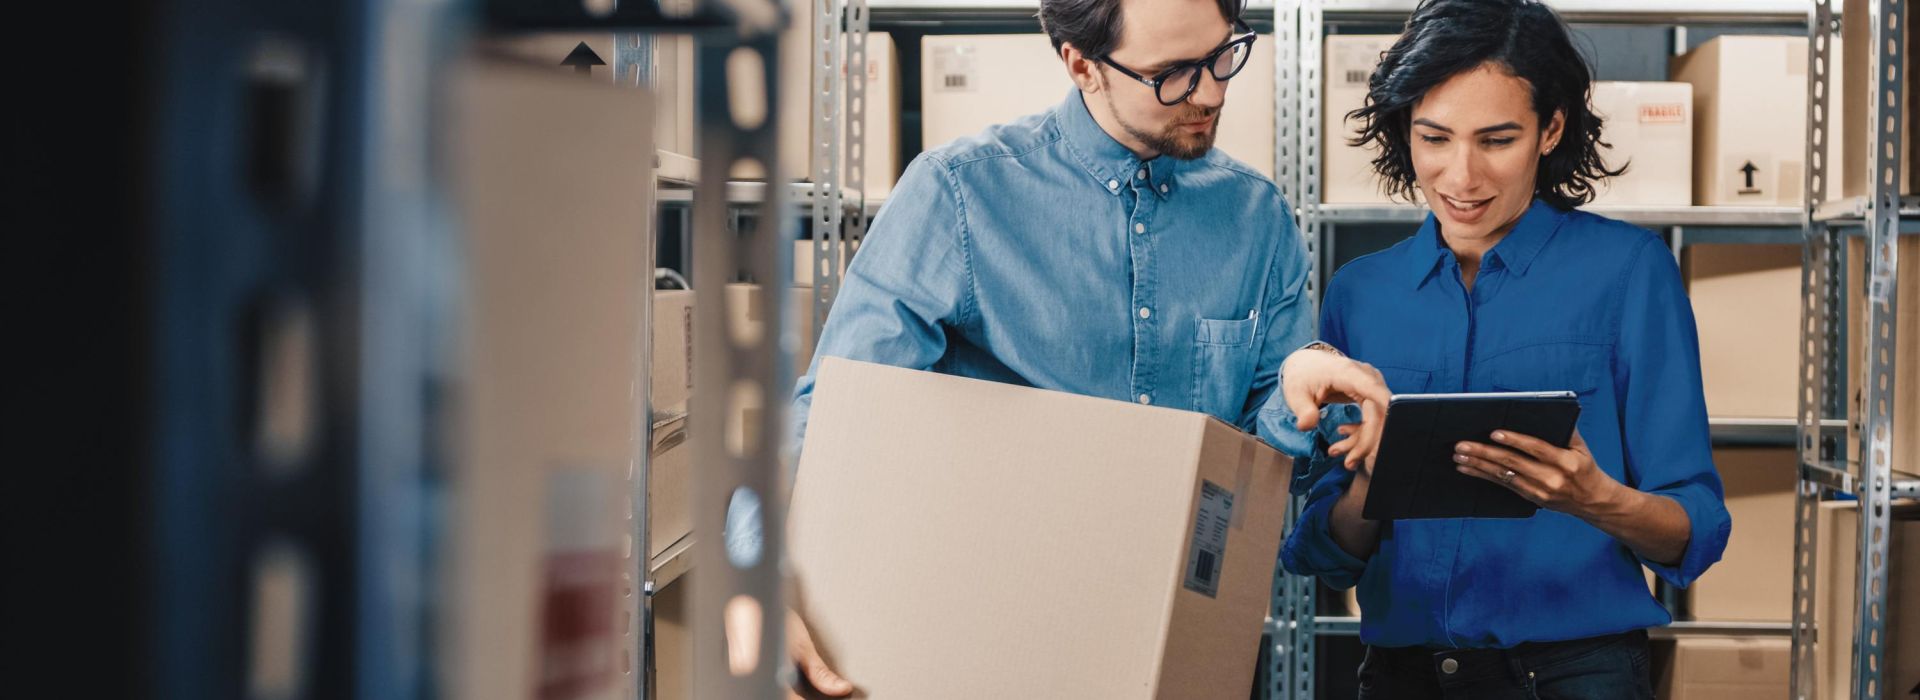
(953,69)
(1207,547)
(1663,113)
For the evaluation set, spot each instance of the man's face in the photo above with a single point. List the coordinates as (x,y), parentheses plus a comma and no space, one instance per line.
(1156,35)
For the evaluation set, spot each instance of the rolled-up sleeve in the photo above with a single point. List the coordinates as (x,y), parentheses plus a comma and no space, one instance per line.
(1310,549)
(1668,449)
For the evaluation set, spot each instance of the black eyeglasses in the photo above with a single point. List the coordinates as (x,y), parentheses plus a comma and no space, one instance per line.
(1223,62)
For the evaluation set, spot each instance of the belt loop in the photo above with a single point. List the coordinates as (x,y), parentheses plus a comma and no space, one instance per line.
(1516,665)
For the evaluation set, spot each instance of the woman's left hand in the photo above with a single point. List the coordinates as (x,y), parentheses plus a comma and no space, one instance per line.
(1566,480)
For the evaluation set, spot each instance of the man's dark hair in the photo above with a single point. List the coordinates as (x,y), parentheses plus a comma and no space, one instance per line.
(1525,39)
(1093,26)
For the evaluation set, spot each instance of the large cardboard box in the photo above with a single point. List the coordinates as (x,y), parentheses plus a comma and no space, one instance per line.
(1853,49)
(546,416)
(971,82)
(669,485)
(955,538)
(1750,120)
(1905,433)
(1648,128)
(1348,170)
(1753,582)
(1837,563)
(1746,305)
(1727,668)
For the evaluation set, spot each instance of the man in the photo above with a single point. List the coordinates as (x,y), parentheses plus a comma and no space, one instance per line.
(1102,248)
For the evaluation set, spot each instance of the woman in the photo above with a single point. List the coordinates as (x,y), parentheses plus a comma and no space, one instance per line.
(1481,107)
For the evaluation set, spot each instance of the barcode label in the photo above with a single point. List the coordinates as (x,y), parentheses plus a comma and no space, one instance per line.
(954,67)
(1358,77)
(1212,517)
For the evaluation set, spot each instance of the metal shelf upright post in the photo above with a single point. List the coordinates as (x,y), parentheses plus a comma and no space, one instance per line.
(1882,215)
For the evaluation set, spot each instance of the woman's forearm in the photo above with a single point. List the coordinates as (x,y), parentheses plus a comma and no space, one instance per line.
(1653,526)
(1356,535)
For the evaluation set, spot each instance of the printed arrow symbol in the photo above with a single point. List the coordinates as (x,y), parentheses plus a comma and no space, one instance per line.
(1747,169)
(583,59)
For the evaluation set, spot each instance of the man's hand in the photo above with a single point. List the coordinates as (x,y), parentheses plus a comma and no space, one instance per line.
(812,668)
(1566,480)
(1315,378)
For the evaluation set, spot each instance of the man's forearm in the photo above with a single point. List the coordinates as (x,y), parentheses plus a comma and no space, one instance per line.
(1653,526)
(1356,535)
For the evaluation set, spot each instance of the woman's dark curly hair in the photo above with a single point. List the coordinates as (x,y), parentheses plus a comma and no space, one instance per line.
(1523,37)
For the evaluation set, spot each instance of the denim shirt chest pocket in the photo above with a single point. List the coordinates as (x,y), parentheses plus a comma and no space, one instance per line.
(1555,366)
(1225,353)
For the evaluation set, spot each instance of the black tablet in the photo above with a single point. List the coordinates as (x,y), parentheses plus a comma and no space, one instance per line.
(1414,475)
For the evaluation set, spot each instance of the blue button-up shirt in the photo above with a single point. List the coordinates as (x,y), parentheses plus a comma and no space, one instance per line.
(1044,253)
(1566,301)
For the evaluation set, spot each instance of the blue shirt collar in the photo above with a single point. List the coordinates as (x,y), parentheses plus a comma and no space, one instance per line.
(1515,252)
(1110,164)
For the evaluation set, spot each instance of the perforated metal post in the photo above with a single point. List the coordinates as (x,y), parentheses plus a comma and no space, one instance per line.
(829,81)
(1888,75)
(740,588)
(1816,346)
(1296,168)
(839,250)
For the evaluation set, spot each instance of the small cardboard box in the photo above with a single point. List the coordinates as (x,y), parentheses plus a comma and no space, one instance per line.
(1727,668)
(1746,305)
(956,538)
(1750,120)
(971,82)
(1753,581)
(1649,129)
(672,358)
(1348,170)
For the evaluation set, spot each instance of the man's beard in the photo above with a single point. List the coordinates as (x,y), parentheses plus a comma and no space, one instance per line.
(1171,139)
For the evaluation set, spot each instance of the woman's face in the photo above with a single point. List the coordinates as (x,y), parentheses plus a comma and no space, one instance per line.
(1476,147)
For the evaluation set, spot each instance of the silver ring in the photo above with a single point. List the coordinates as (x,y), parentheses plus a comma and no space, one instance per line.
(1507,478)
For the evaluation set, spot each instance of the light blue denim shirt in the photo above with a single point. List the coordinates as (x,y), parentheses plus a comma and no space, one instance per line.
(1044,253)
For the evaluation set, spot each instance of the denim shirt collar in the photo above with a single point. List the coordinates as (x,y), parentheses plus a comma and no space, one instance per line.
(1111,165)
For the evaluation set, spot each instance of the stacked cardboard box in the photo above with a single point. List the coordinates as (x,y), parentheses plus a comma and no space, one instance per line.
(1746,305)
(1753,582)
(1649,129)
(546,416)
(1853,105)
(1726,668)
(954,538)
(1750,120)
(971,82)
(1904,433)
(1835,598)
(1348,170)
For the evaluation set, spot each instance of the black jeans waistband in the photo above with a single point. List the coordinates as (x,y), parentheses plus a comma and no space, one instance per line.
(1426,658)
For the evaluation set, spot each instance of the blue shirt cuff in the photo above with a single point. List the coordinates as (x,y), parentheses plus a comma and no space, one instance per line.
(1310,549)
(1710,526)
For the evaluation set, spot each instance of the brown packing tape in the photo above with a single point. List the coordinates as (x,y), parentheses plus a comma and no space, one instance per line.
(1242,479)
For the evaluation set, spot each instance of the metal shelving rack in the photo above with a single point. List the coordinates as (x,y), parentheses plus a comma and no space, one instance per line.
(1301,26)
(1880,218)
